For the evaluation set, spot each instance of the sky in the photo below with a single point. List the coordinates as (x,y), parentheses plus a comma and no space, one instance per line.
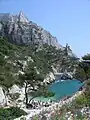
(68,20)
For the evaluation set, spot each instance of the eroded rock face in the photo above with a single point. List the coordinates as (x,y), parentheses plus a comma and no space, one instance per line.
(2,97)
(18,29)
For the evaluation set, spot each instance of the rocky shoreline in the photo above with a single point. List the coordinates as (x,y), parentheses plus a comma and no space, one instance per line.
(40,110)
(47,111)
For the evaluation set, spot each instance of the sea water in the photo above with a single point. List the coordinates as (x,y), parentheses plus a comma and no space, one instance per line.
(62,88)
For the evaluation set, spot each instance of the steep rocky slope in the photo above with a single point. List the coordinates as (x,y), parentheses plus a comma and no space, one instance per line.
(24,44)
(18,29)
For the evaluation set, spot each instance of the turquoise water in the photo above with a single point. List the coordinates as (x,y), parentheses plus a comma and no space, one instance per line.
(63,88)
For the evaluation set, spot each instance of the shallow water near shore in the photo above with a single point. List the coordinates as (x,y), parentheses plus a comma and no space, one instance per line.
(62,88)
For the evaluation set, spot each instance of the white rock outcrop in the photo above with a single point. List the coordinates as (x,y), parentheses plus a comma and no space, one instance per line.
(15,89)
(49,78)
(22,18)
(24,31)
(2,97)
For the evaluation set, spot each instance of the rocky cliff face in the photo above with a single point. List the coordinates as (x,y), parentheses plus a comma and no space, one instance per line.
(18,29)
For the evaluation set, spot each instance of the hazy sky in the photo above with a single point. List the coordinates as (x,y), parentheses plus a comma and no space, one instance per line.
(68,20)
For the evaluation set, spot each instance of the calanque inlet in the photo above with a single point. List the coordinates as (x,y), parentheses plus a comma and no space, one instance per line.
(39,78)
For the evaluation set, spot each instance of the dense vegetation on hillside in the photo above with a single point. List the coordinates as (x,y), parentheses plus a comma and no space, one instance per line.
(83,69)
(11,113)
(83,74)
(15,58)
(23,59)
(29,65)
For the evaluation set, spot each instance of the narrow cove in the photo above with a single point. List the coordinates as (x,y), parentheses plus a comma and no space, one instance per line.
(62,88)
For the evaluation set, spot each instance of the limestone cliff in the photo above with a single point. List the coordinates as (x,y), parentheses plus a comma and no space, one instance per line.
(18,29)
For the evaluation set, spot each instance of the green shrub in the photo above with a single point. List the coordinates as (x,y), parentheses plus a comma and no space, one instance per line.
(11,113)
(80,102)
